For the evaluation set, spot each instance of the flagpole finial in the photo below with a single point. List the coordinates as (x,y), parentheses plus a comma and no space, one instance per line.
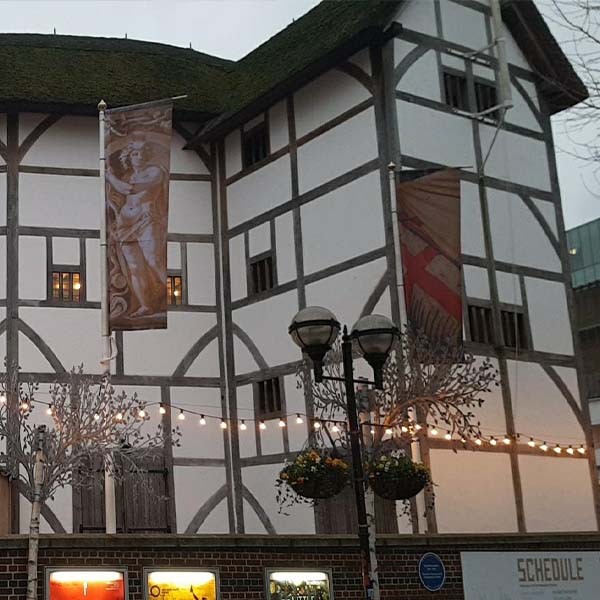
(392,166)
(101,106)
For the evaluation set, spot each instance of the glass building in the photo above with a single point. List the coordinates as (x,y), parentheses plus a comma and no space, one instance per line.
(584,248)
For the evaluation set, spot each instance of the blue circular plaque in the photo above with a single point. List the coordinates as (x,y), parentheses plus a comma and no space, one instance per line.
(431,572)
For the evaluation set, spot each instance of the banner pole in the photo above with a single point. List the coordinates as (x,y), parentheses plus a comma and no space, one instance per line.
(109,482)
(415,447)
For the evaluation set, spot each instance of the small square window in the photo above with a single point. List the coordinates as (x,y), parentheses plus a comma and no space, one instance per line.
(174,289)
(261,275)
(481,324)
(268,398)
(255,145)
(456,91)
(513,329)
(66,286)
(486,97)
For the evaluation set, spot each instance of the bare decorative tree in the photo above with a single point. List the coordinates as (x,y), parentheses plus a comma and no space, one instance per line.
(90,425)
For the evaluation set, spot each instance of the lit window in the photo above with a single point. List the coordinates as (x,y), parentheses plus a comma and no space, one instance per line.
(174,289)
(66,286)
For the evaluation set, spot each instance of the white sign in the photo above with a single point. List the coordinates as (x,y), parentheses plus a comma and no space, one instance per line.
(531,575)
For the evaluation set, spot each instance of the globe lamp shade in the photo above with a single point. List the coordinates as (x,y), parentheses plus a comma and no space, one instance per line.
(373,337)
(314,329)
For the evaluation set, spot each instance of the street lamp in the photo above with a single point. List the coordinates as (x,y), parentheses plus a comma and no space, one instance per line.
(315,329)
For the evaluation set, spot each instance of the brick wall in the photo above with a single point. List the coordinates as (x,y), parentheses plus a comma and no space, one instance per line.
(242,560)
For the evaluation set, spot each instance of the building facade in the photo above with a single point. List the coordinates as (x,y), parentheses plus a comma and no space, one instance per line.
(280,200)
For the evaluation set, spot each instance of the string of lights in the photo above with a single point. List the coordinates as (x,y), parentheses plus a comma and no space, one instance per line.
(407,428)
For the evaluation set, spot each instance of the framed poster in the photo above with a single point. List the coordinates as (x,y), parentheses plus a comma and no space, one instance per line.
(86,584)
(531,575)
(299,584)
(181,584)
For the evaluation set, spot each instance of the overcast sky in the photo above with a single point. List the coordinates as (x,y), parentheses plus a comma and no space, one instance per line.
(230,29)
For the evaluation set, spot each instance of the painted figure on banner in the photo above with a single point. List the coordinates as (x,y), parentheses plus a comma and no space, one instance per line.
(138,141)
(429,226)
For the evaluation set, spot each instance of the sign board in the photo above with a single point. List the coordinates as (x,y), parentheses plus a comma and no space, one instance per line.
(431,572)
(74,584)
(299,585)
(180,584)
(531,575)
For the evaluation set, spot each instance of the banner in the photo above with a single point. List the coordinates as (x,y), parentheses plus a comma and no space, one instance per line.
(91,585)
(299,585)
(531,575)
(428,205)
(137,151)
(181,585)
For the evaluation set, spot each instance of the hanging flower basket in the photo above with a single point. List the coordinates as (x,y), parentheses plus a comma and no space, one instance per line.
(397,478)
(315,474)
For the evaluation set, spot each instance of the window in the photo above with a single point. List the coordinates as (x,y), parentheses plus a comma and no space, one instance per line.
(513,329)
(486,97)
(174,289)
(66,286)
(268,398)
(255,145)
(455,88)
(481,324)
(261,274)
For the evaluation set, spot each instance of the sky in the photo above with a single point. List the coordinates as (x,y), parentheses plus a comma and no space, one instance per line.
(230,29)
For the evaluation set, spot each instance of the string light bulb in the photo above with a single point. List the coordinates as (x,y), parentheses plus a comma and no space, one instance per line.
(243,426)
(181,415)
(2,398)
(24,406)
(335,428)
(570,450)
(404,429)
(506,440)
(544,447)
(448,436)
(119,416)
(262,425)
(162,410)
(418,427)
(223,424)
(531,443)
(434,431)
(281,423)
(557,449)
(299,419)
(479,441)
(96,417)
(202,420)
(50,410)
(493,441)
(141,413)
(463,440)
(581,449)
(317,425)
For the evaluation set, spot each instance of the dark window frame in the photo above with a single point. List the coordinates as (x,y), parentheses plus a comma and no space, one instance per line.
(471,96)
(481,323)
(460,101)
(63,270)
(265,409)
(252,265)
(508,328)
(171,275)
(246,138)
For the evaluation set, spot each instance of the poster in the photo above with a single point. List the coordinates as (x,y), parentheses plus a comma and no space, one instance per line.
(531,575)
(428,204)
(299,585)
(86,585)
(137,149)
(181,585)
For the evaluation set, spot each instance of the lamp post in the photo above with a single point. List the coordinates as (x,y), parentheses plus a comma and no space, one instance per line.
(315,329)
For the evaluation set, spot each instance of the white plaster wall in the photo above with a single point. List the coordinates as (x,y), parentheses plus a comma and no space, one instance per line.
(92,273)
(346,147)
(285,249)
(548,211)
(401,49)
(474,492)
(237,268)
(476,282)
(344,224)
(31,360)
(418,16)
(259,191)
(71,142)
(278,126)
(201,273)
(61,506)
(557,494)
(2,266)
(346,293)
(491,414)
(207,362)
(190,207)
(516,158)
(194,486)
(463,25)
(295,403)
(520,113)
(184,161)
(244,361)
(259,238)
(569,376)
(362,60)
(509,289)
(422,78)
(159,352)
(549,316)
(58,201)
(513,52)
(32,267)
(273,342)
(450,141)
(2,199)
(540,410)
(517,236)
(233,153)
(595,412)
(261,482)
(245,406)
(325,98)
(198,441)
(65,251)
(73,335)
(173,255)
(27,123)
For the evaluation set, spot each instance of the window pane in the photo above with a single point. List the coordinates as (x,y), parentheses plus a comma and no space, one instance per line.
(177,292)
(76,287)
(56,286)
(169,290)
(66,286)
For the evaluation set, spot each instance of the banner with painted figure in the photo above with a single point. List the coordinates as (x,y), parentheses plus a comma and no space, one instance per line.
(531,575)
(428,204)
(86,585)
(138,150)
(181,585)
